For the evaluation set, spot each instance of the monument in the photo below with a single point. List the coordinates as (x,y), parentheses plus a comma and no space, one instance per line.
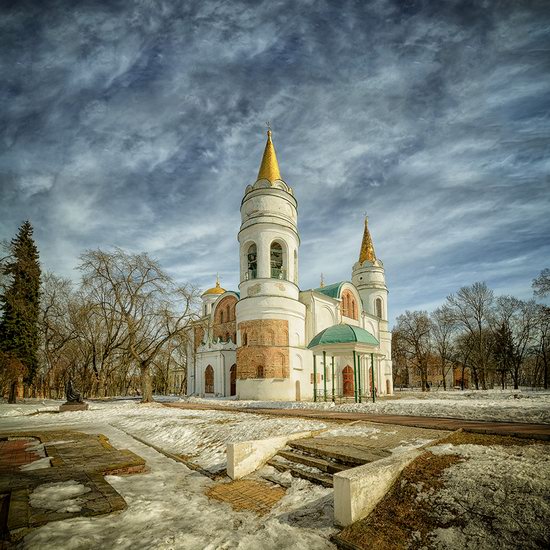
(74,399)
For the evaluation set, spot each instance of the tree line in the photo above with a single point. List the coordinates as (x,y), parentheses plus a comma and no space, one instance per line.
(490,341)
(124,327)
(118,331)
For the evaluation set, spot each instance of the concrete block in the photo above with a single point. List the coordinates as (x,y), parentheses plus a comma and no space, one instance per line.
(73,407)
(245,457)
(357,491)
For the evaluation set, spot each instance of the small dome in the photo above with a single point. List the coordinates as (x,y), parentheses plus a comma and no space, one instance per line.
(215,289)
(343,334)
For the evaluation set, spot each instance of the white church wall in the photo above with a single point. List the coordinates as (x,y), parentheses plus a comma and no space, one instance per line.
(270,389)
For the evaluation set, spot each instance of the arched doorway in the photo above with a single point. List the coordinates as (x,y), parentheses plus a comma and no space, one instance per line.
(209,379)
(233,380)
(347,381)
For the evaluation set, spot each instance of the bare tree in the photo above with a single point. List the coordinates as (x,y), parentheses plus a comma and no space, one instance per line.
(400,359)
(56,327)
(415,329)
(542,342)
(541,285)
(519,320)
(443,330)
(471,308)
(153,309)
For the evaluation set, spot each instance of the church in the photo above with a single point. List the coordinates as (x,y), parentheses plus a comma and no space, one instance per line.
(271,340)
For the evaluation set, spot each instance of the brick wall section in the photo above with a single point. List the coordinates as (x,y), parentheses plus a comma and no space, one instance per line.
(198,336)
(224,320)
(264,349)
(222,330)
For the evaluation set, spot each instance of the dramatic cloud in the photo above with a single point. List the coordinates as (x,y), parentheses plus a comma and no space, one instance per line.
(139,124)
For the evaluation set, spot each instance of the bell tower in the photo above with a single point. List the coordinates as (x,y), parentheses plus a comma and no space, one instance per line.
(368,276)
(369,279)
(270,318)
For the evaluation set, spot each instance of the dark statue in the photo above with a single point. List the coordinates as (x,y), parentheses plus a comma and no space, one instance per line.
(73,395)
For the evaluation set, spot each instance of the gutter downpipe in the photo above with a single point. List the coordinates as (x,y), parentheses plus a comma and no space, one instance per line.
(314,377)
(325,374)
(354,377)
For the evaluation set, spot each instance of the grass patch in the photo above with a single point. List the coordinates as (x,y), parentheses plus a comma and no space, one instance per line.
(469,438)
(403,518)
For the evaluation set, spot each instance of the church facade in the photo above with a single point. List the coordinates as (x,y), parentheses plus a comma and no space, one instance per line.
(273,341)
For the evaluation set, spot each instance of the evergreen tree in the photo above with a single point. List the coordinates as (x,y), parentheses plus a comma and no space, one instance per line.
(19,301)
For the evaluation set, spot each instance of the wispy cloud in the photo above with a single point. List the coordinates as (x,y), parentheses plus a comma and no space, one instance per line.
(139,124)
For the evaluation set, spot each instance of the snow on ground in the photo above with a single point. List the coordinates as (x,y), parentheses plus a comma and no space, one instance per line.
(167,509)
(505,487)
(199,435)
(60,497)
(497,405)
(38,464)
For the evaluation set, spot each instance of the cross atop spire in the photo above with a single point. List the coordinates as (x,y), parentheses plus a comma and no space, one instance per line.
(269,168)
(367,248)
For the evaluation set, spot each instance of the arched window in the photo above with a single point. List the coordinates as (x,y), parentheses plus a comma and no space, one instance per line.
(221,316)
(277,271)
(259,371)
(378,305)
(209,379)
(252,259)
(228,312)
(244,339)
(349,305)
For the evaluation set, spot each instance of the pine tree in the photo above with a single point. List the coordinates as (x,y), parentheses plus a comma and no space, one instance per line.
(19,302)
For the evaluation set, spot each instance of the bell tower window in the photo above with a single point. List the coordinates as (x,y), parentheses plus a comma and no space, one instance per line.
(378,304)
(277,271)
(252,258)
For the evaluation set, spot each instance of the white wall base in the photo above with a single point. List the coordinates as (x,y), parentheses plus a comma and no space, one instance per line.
(357,491)
(245,457)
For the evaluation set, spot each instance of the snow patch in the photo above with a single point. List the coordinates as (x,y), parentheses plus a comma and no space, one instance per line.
(59,497)
(38,464)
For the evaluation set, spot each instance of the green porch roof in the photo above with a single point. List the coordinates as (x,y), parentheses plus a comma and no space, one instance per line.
(343,334)
(332,290)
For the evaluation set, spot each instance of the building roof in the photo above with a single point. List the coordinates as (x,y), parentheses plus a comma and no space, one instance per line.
(215,289)
(367,248)
(332,290)
(269,168)
(343,334)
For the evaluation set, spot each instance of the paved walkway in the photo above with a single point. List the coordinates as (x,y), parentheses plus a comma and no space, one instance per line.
(77,459)
(516,429)
(248,494)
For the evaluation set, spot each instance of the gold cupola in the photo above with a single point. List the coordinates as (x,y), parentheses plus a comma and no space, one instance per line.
(367,248)
(269,168)
(215,289)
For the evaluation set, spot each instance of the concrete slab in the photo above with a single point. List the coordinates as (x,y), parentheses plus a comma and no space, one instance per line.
(350,450)
(357,491)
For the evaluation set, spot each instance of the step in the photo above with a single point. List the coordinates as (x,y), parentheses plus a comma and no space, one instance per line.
(353,453)
(318,477)
(309,460)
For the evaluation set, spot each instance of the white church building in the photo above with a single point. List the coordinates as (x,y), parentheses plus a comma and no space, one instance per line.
(272,340)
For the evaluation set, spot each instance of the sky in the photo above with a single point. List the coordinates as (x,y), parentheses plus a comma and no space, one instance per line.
(139,124)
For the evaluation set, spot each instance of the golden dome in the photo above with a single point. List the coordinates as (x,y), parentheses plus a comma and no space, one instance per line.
(269,168)
(215,289)
(367,248)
